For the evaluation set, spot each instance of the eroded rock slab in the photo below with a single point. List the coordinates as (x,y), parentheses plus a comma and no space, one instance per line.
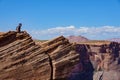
(57,59)
(21,59)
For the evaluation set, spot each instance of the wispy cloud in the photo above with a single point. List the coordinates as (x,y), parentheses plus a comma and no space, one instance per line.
(102,32)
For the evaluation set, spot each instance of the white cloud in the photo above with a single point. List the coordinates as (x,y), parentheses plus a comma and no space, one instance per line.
(102,32)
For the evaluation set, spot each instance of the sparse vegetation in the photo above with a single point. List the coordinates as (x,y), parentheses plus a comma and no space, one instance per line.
(96,42)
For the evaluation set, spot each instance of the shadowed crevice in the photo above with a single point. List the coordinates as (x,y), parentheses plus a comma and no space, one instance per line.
(51,66)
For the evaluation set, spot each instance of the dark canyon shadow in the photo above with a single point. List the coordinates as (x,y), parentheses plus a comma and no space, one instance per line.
(84,69)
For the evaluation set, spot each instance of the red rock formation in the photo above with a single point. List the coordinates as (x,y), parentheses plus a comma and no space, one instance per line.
(21,59)
(77,39)
(57,59)
(107,59)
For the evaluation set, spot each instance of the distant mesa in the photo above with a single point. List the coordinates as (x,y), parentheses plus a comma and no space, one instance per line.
(77,39)
(115,40)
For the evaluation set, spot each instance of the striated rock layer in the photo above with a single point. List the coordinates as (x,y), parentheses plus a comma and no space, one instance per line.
(57,59)
(106,61)
(21,59)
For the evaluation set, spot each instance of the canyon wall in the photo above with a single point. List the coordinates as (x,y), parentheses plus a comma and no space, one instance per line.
(58,59)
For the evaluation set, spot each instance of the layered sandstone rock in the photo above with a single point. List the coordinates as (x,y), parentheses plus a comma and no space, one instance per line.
(1,33)
(63,56)
(106,61)
(21,59)
(57,59)
(68,60)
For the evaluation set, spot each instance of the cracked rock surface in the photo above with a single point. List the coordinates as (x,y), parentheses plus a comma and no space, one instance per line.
(58,59)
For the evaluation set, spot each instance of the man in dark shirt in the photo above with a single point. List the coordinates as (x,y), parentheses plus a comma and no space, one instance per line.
(18,28)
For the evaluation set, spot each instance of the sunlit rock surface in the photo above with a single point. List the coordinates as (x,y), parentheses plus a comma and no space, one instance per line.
(21,59)
(57,59)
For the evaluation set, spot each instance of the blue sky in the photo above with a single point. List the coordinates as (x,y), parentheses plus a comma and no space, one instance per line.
(46,19)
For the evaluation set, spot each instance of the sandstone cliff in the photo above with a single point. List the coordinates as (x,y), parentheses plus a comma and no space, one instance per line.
(57,59)
(106,61)
(21,59)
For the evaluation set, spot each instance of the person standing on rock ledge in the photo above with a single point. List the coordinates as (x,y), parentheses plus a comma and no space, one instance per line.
(18,28)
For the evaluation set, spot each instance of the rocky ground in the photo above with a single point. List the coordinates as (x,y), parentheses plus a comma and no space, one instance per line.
(58,59)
